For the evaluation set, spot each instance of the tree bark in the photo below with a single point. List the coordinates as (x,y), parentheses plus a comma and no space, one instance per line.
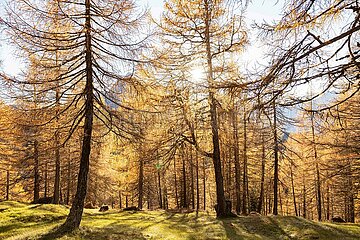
(318,182)
(293,188)
(220,196)
(245,173)
(140,183)
(46,180)
(184,195)
(160,190)
(204,183)
(197,182)
(237,162)
(192,185)
(36,172)
(176,186)
(262,183)
(276,162)
(57,146)
(68,180)
(7,185)
(74,218)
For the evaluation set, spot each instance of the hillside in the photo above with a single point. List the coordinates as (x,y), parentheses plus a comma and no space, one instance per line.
(23,221)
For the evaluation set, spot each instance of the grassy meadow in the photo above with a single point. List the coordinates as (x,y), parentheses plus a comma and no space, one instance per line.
(36,221)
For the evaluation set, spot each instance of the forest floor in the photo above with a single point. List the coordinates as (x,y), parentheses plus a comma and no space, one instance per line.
(35,221)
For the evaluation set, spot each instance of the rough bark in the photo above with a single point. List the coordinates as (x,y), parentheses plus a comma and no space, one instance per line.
(276,162)
(140,183)
(7,185)
(237,163)
(262,183)
(160,190)
(74,218)
(36,172)
(245,172)
(293,189)
(220,196)
(197,182)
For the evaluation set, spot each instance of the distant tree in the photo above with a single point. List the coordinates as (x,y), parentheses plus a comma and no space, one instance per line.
(203,29)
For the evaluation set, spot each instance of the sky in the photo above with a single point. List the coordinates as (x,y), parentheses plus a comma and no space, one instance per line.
(258,11)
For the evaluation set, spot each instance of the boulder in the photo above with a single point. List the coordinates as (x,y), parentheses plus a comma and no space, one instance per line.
(104,208)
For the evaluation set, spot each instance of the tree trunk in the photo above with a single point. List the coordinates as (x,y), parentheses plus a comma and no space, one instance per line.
(192,180)
(36,172)
(318,182)
(262,183)
(293,188)
(204,183)
(176,186)
(197,182)
(68,180)
(276,162)
(140,183)
(74,218)
(120,200)
(160,190)
(57,153)
(220,196)
(304,199)
(245,174)
(46,180)
(237,162)
(184,195)
(7,185)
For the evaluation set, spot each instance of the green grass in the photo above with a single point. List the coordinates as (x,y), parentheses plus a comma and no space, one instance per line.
(25,221)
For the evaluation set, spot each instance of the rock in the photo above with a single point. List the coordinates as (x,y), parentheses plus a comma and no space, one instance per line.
(132,208)
(104,208)
(253,213)
(43,200)
(338,220)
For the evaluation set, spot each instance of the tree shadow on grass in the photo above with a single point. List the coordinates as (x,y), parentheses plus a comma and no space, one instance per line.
(111,231)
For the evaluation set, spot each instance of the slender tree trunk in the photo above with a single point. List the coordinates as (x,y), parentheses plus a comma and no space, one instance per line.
(46,180)
(149,203)
(68,180)
(237,162)
(160,190)
(204,183)
(140,183)
(197,182)
(262,183)
(328,203)
(220,196)
(184,195)
(293,188)
(36,172)
(57,152)
(304,200)
(176,186)
(74,218)
(7,185)
(192,180)
(318,182)
(245,174)
(120,199)
(276,162)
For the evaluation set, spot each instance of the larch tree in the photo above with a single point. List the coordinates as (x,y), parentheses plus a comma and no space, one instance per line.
(206,30)
(104,41)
